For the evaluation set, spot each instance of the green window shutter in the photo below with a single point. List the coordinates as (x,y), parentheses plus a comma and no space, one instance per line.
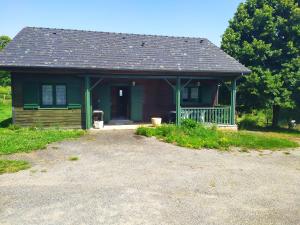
(30,95)
(74,95)
(104,101)
(137,101)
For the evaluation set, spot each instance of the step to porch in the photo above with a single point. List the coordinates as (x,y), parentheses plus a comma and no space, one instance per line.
(120,122)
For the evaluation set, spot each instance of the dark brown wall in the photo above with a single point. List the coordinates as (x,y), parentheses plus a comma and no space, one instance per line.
(158,95)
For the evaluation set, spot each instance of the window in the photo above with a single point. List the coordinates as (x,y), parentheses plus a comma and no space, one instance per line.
(185,94)
(61,95)
(191,94)
(54,95)
(47,95)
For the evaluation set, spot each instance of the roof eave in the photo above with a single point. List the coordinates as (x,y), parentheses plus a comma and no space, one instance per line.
(13,68)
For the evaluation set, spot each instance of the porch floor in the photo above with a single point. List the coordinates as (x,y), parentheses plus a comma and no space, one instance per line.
(122,127)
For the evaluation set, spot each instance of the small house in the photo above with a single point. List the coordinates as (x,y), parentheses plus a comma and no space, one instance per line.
(60,76)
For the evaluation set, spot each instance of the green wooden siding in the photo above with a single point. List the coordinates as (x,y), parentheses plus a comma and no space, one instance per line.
(31,95)
(105,101)
(137,100)
(27,101)
(74,96)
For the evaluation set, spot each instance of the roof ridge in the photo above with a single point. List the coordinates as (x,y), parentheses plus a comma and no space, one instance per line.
(119,33)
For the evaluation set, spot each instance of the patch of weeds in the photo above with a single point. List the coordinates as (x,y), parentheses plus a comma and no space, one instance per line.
(73,158)
(33,171)
(12,166)
(194,135)
(286,153)
(43,170)
(244,150)
(212,184)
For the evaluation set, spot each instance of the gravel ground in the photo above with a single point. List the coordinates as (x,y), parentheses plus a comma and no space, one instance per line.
(121,178)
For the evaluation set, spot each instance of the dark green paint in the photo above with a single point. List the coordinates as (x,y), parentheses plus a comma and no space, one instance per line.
(137,101)
(104,101)
(30,95)
(87,96)
(232,102)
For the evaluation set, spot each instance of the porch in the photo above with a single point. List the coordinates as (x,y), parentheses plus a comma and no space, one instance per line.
(138,98)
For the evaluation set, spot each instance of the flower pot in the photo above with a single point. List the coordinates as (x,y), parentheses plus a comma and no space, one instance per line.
(156,121)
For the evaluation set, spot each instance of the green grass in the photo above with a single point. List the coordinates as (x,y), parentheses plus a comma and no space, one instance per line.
(11,166)
(194,135)
(14,139)
(26,139)
(5,113)
(73,158)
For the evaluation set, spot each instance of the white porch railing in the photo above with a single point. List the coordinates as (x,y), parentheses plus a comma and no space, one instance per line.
(217,115)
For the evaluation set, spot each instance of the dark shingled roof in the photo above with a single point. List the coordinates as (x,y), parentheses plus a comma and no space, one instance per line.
(61,48)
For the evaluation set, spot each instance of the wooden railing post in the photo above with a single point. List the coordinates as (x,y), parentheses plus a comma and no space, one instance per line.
(178,107)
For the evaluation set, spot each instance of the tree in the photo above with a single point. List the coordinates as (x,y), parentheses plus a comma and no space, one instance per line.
(4,76)
(264,35)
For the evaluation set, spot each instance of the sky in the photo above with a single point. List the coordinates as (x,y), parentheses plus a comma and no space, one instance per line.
(192,18)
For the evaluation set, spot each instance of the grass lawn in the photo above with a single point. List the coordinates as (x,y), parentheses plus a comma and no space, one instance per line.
(11,166)
(26,139)
(14,140)
(194,135)
(5,110)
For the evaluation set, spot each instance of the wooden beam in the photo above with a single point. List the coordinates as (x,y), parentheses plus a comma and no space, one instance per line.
(168,82)
(232,102)
(95,84)
(87,95)
(183,86)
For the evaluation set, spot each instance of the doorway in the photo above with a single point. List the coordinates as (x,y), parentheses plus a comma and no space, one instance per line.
(120,99)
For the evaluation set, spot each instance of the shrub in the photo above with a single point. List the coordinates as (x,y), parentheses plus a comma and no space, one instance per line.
(195,135)
(189,123)
(254,120)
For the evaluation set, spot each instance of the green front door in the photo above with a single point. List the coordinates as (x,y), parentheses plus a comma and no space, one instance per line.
(137,101)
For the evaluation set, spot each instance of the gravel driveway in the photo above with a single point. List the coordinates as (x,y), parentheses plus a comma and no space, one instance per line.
(121,178)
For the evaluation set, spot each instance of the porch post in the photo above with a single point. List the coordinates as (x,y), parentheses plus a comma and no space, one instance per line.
(178,108)
(233,102)
(87,97)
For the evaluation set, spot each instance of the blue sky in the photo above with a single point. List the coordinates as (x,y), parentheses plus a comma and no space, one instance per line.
(195,18)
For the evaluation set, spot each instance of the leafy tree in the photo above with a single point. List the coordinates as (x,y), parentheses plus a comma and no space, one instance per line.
(4,76)
(264,35)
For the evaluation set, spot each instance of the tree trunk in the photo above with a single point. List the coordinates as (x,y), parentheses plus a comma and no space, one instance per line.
(275,120)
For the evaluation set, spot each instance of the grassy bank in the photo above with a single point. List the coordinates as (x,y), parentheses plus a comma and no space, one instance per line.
(194,135)
(26,139)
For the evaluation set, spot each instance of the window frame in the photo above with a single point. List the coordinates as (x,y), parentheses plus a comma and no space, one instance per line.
(190,99)
(54,105)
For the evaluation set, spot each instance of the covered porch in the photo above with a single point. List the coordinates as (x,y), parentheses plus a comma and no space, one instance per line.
(138,98)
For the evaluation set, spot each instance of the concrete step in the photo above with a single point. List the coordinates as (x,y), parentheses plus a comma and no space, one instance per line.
(120,122)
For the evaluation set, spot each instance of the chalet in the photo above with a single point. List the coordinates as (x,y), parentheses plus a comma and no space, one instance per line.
(60,76)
